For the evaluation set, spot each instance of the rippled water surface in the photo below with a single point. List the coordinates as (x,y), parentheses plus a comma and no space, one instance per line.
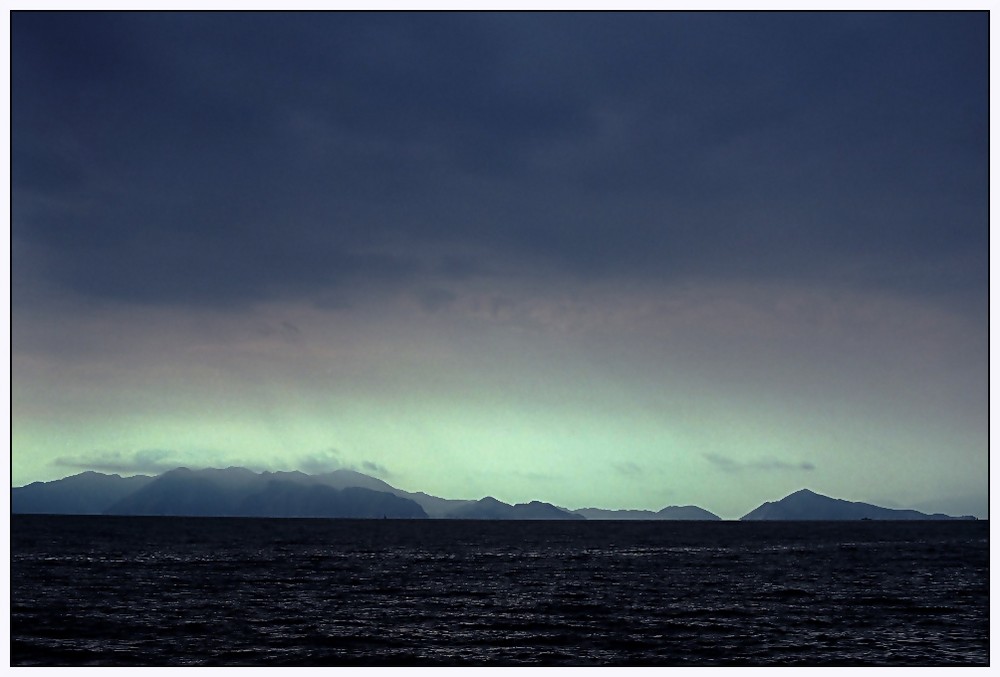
(179,591)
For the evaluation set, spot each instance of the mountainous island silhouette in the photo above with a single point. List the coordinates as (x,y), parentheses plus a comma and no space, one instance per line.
(239,492)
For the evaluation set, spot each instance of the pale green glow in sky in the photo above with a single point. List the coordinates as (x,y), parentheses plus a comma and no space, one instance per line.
(722,398)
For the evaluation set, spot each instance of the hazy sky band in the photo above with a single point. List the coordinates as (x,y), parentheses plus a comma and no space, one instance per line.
(476,248)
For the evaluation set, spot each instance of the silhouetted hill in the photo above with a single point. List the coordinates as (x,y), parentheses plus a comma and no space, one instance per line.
(808,505)
(291,499)
(89,493)
(490,508)
(343,478)
(238,492)
(537,510)
(686,512)
(602,514)
(673,512)
(432,505)
(211,492)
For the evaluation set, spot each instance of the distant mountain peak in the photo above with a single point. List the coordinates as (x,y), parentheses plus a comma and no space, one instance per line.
(807,505)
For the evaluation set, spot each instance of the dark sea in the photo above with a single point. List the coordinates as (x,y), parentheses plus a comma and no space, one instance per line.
(236,592)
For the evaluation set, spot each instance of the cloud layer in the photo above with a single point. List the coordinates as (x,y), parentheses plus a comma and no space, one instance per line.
(221,159)
(730,465)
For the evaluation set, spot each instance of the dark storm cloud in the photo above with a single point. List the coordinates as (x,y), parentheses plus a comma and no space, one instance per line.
(224,158)
(332,459)
(376,469)
(324,461)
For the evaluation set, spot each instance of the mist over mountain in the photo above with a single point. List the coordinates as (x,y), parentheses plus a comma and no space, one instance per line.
(808,505)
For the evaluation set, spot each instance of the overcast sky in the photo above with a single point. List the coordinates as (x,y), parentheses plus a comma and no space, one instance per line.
(601,260)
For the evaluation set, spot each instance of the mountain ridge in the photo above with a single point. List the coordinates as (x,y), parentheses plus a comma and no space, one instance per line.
(807,505)
(237,491)
(671,512)
(87,493)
